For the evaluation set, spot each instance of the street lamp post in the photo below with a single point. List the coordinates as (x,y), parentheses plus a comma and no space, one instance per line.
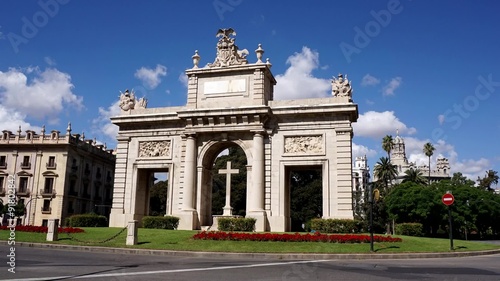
(370,201)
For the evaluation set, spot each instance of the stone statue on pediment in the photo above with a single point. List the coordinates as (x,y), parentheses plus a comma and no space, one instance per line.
(341,87)
(227,52)
(129,102)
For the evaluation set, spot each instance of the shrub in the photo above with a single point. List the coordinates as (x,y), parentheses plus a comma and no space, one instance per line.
(337,225)
(410,229)
(87,220)
(41,229)
(297,237)
(166,222)
(236,224)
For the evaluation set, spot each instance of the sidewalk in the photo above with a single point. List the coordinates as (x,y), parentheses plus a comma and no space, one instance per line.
(261,256)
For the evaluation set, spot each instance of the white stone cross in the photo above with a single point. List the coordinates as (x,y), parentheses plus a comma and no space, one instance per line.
(228,210)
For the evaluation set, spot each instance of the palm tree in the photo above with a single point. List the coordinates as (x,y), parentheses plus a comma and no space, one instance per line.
(490,179)
(385,171)
(429,150)
(387,144)
(414,175)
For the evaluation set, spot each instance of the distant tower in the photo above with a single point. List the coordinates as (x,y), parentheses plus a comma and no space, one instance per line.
(398,153)
(361,179)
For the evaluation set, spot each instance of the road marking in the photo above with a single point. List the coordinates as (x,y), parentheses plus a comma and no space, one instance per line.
(165,271)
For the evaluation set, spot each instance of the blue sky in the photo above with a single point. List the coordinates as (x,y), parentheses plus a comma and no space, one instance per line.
(427,68)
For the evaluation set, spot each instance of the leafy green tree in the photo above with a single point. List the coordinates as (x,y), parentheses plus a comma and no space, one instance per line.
(306,197)
(158,198)
(459,179)
(385,171)
(415,202)
(429,151)
(19,209)
(488,180)
(380,215)
(414,175)
(387,145)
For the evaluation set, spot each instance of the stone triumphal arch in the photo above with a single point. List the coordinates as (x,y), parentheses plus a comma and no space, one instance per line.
(230,103)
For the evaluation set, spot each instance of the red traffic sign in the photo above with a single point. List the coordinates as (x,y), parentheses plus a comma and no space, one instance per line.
(448,199)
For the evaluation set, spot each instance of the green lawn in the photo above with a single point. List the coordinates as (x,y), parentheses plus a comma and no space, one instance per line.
(181,240)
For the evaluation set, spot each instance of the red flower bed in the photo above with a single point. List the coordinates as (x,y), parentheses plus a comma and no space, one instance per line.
(316,237)
(42,229)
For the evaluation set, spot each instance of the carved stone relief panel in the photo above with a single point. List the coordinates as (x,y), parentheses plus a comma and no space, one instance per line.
(154,148)
(304,144)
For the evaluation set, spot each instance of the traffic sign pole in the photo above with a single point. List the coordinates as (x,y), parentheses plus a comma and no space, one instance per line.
(448,200)
(451,228)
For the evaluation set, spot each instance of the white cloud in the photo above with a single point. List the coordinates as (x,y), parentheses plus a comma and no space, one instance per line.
(441,119)
(183,78)
(50,61)
(378,124)
(471,168)
(361,150)
(38,94)
(102,124)
(298,82)
(11,120)
(369,80)
(151,77)
(389,89)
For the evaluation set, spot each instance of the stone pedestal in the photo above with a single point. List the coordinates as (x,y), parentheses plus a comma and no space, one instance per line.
(188,220)
(215,224)
(261,223)
(132,232)
(53,230)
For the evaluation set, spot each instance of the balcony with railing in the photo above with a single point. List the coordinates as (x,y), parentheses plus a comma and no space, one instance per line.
(46,210)
(48,192)
(25,165)
(23,192)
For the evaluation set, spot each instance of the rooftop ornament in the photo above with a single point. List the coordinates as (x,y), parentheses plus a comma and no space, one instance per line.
(227,52)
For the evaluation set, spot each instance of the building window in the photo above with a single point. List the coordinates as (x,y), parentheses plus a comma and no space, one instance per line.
(46,209)
(72,187)
(26,163)
(108,177)
(86,193)
(23,186)
(98,173)
(2,189)
(74,166)
(45,223)
(48,189)
(3,162)
(87,169)
(52,162)
(108,194)
(71,210)
(97,191)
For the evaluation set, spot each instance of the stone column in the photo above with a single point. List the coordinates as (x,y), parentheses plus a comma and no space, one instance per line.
(53,230)
(258,172)
(132,232)
(256,209)
(189,174)
(188,216)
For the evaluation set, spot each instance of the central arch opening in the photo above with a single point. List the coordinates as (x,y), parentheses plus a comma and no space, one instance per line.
(224,168)
(305,196)
(238,182)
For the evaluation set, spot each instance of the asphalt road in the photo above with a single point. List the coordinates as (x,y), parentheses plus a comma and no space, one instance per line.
(54,264)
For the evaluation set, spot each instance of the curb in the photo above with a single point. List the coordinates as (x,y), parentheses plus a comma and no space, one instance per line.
(261,256)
